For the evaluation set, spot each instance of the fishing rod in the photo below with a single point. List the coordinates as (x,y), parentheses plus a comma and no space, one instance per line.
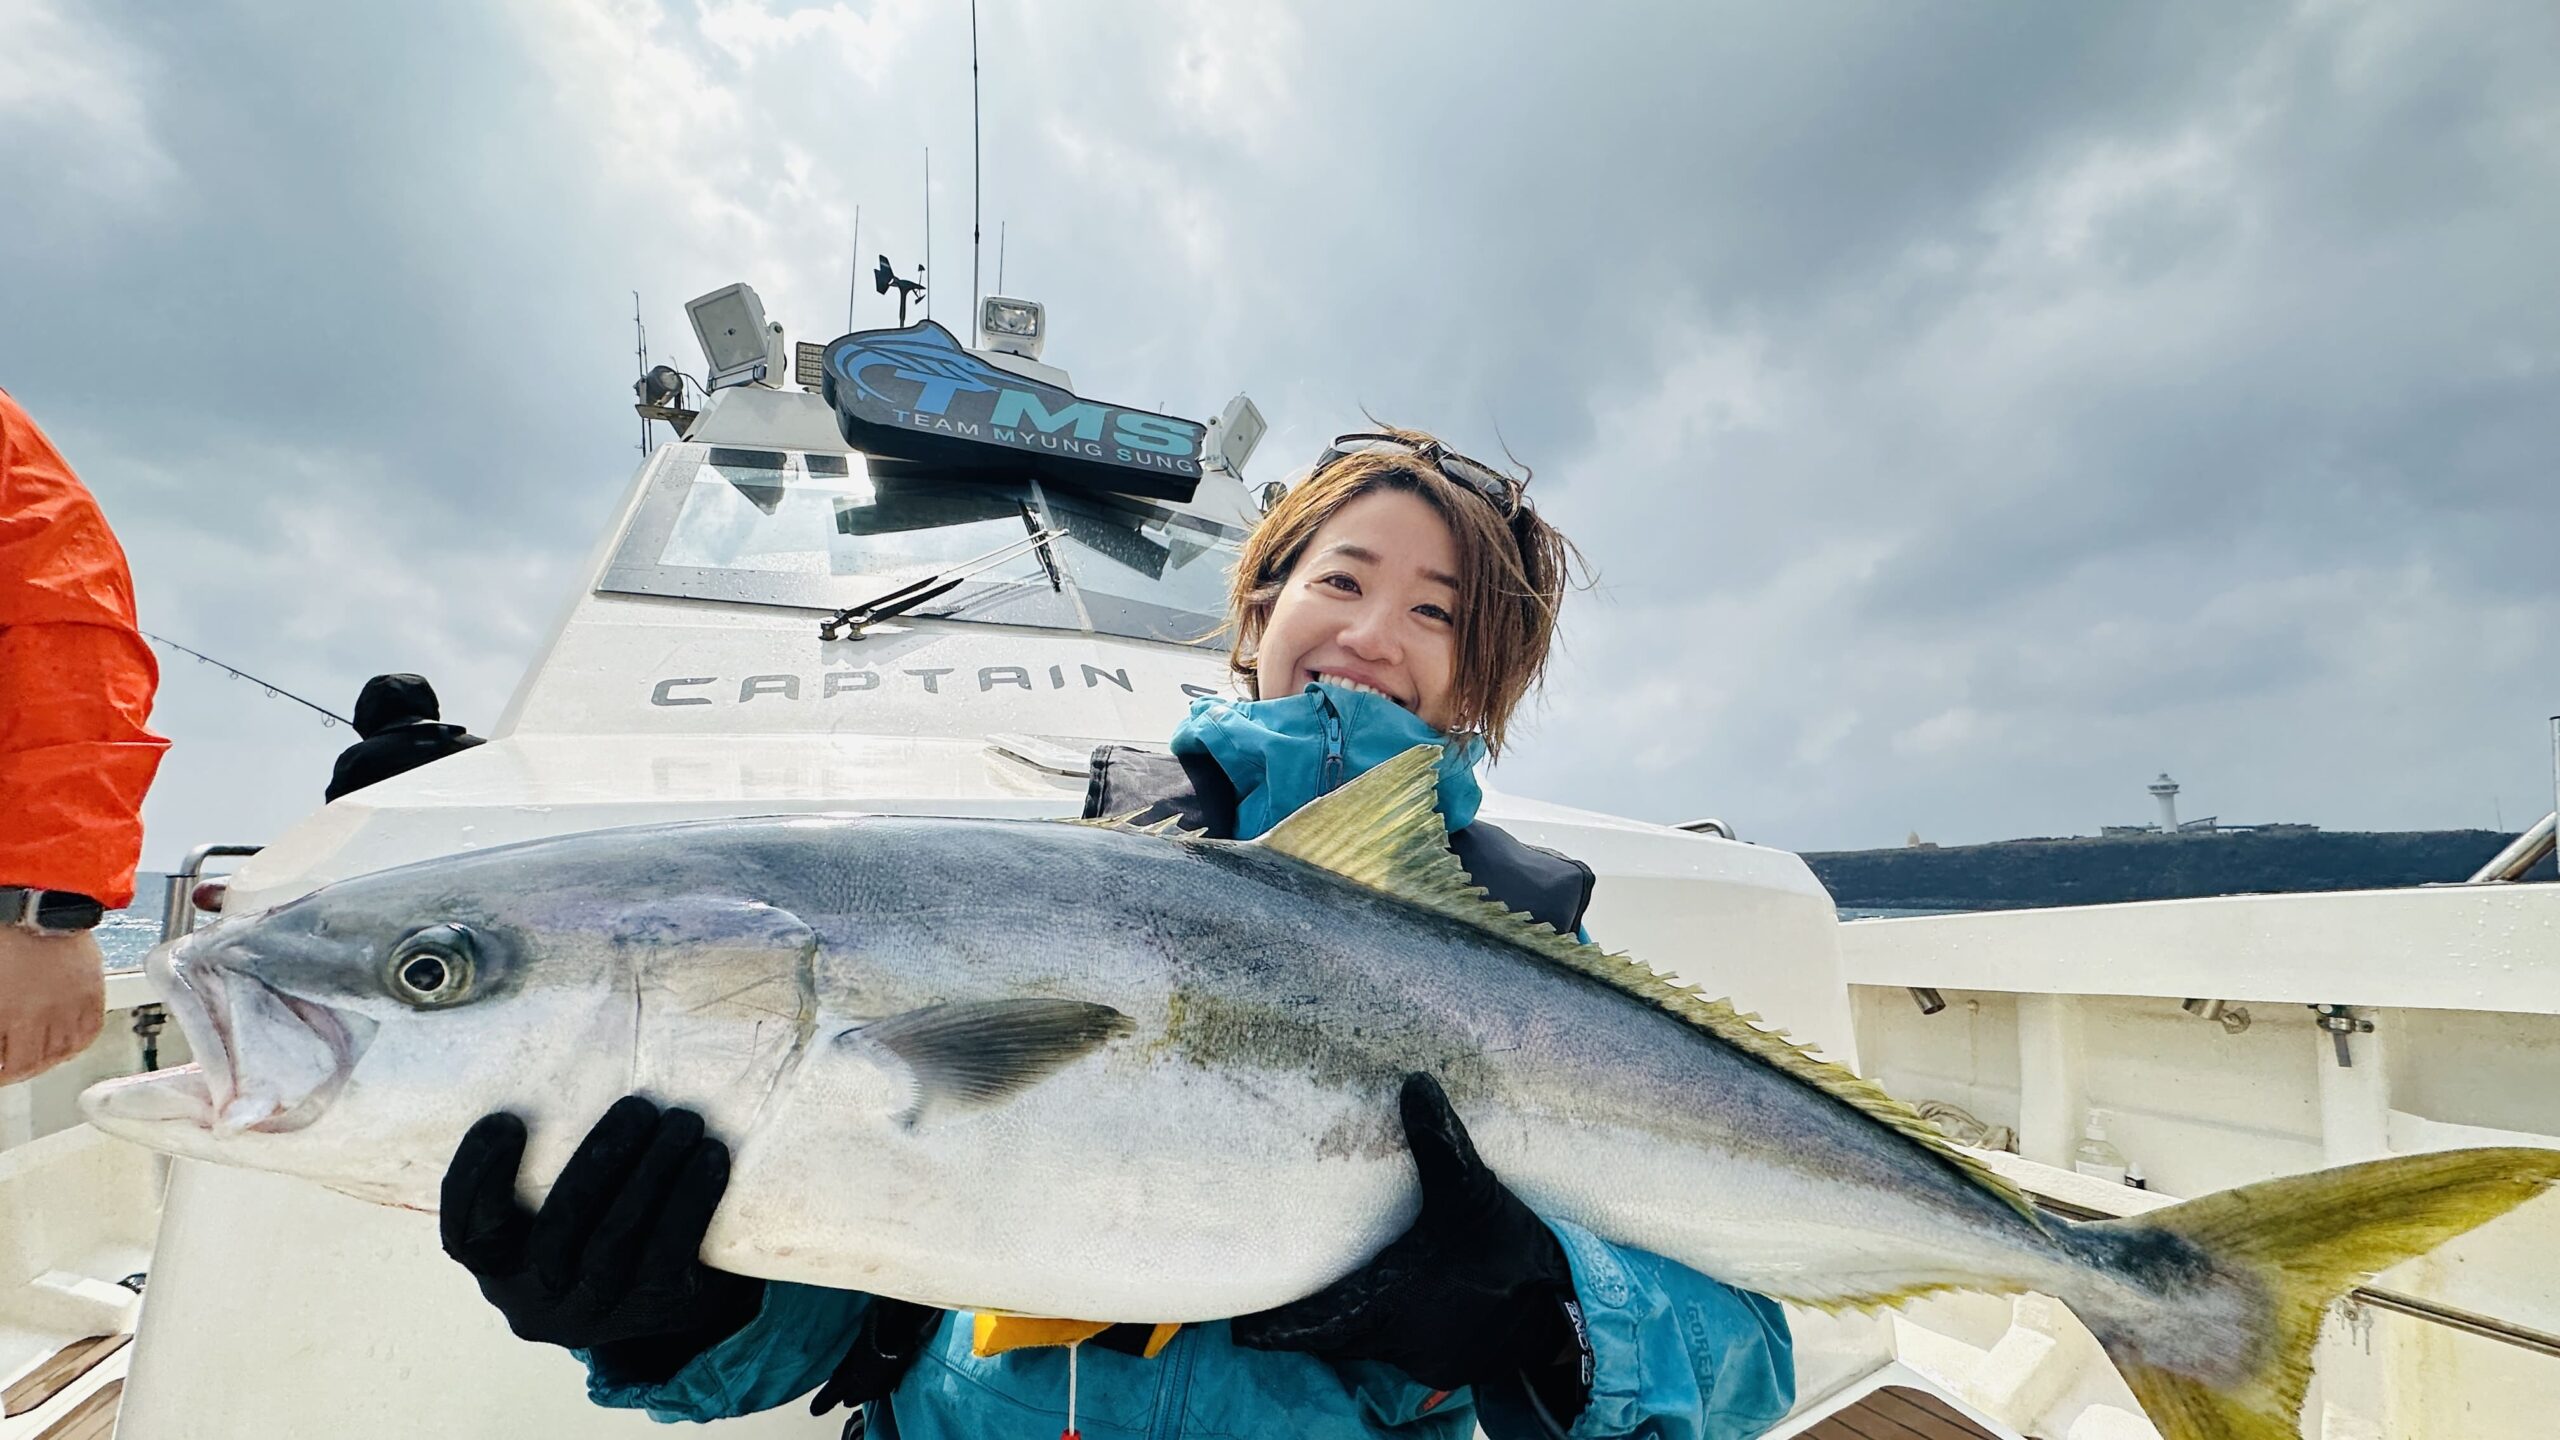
(272,689)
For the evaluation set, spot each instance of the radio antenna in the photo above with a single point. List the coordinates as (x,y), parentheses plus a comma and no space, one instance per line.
(977,186)
(924,272)
(641,331)
(999,257)
(853,284)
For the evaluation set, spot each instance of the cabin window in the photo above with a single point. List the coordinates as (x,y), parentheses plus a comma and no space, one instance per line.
(819,532)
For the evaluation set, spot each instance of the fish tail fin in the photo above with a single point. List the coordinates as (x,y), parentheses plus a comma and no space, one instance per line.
(2240,1281)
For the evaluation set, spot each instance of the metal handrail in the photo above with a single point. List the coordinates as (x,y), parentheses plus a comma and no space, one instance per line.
(2521,855)
(178,912)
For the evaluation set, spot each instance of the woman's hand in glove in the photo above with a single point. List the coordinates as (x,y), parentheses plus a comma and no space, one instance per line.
(1477,1291)
(893,1334)
(611,1264)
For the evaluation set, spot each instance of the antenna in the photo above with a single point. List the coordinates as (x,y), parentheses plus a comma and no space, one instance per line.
(853,286)
(924,272)
(999,257)
(977,186)
(642,333)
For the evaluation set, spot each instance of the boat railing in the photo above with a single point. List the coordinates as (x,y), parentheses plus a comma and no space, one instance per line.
(2533,846)
(2521,855)
(178,915)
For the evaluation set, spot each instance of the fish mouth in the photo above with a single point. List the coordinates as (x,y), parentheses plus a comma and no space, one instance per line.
(267,1061)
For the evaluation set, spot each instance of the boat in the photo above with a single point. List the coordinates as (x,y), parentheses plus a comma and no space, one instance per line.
(902,573)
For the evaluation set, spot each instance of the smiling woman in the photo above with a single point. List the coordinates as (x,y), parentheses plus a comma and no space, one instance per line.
(1403,568)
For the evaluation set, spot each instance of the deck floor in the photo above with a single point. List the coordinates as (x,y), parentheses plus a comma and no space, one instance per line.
(72,1394)
(1897,1413)
(57,1372)
(92,1419)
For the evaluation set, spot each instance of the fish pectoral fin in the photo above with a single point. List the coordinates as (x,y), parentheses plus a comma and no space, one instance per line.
(976,1052)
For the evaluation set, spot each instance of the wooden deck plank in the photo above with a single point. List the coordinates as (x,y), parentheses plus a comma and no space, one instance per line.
(93,1418)
(1896,1412)
(1925,1415)
(1869,1422)
(50,1378)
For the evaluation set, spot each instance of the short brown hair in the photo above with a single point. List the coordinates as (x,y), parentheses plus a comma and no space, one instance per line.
(1512,572)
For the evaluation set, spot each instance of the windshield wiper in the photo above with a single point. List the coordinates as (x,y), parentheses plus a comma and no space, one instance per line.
(850,622)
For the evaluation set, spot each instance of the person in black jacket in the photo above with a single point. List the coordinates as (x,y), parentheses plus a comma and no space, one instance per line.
(402,730)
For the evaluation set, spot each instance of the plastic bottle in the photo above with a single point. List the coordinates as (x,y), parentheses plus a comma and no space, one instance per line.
(2096,1158)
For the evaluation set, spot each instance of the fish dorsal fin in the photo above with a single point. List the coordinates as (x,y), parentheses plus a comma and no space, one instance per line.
(1384,831)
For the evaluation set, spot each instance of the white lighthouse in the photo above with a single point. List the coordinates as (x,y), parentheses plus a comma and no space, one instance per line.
(2165,790)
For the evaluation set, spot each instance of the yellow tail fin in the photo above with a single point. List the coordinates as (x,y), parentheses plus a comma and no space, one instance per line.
(2279,1254)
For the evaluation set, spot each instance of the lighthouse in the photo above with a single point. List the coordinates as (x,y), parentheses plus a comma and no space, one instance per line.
(2165,790)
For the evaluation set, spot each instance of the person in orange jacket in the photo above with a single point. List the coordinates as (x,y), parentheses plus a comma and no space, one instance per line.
(76,681)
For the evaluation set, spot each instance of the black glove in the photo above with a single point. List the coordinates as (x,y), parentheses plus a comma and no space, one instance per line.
(1476,1293)
(612,1263)
(893,1334)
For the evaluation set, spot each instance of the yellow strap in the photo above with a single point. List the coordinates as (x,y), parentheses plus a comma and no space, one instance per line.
(995,1334)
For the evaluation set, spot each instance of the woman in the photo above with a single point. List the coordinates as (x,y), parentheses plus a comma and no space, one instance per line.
(1401,595)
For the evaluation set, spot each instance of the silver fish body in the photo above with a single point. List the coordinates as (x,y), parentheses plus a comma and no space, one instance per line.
(1232,1146)
(1077,1071)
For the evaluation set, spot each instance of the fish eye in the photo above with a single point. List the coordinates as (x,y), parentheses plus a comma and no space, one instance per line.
(433,967)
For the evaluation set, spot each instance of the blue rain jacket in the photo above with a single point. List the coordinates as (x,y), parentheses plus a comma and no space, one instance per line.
(1676,1355)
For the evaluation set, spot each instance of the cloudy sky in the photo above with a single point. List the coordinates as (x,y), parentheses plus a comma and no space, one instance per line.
(1971,409)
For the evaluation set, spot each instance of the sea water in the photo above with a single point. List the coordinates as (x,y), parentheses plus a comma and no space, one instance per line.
(125,935)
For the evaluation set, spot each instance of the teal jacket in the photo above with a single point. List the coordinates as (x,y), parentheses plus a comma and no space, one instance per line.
(1676,1355)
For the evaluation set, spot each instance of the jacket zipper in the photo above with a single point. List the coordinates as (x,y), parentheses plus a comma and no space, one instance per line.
(1173,1398)
(1332,743)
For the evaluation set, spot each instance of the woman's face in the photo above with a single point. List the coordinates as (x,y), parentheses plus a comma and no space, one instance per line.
(1370,604)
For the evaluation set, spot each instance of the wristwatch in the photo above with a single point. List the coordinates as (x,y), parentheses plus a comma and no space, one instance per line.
(49,912)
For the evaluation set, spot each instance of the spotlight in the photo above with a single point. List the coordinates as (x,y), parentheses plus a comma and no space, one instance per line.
(1233,435)
(737,342)
(1016,327)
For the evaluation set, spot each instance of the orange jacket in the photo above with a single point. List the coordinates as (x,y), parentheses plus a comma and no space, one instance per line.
(76,680)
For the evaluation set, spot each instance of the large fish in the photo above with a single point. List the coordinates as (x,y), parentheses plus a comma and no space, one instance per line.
(1061,1069)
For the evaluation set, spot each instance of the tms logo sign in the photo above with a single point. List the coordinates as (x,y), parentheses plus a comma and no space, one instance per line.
(920,394)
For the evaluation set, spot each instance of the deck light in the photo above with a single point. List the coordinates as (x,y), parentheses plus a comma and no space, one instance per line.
(1016,327)
(1233,435)
(661,386)
(737,342)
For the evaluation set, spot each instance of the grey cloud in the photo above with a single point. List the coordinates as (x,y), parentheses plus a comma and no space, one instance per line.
(1971,412)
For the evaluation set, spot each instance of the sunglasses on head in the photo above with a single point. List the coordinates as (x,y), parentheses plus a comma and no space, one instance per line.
(1505,493)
